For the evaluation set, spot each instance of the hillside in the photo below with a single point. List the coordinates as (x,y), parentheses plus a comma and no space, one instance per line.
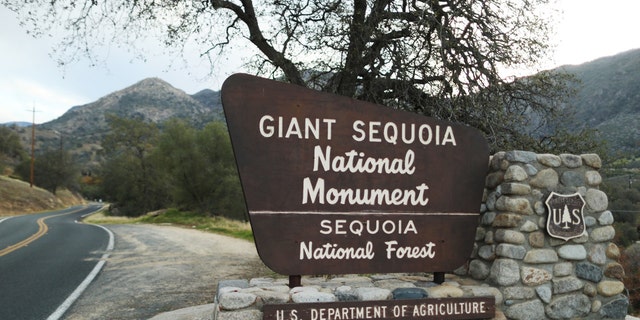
(608,99)
(81,129)
(18,197)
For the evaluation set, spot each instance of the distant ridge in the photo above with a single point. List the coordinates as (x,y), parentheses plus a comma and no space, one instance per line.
(16,123)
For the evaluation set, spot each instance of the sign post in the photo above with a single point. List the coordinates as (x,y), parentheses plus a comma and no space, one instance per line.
(335,185)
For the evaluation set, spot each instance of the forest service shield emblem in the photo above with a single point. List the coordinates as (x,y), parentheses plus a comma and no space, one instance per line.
(565,219)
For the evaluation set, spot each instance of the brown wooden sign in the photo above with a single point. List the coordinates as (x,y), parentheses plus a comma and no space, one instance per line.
(444,308)
(334,185)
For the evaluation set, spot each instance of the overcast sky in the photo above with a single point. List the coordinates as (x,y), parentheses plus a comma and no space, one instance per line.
(30,78)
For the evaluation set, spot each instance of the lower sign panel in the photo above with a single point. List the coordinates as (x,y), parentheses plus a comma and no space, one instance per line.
(309,243)
(445,308)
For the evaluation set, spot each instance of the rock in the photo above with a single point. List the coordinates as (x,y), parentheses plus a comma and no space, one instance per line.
(550,160)
(311,296)
(504,272)
(445,291)
(514,205)
(509,236)
(571,160)
(346,293)
(545,179)
(596,200)
(615,309)
(544,293)
(541,256)
(588,271)
(610,288)
(566,284)
(507,220)
(519,189)
(569,307)
(515,173)
(369,294)
(562,269)
(533,276)
(236,300)
(518,293)
(409,293)
(602,234)
(572,179)
(510,251)
(536,239)
(597,254)
(521,156)
(533,309)
(593,178)
(572,252)
(478,269)
(606,218)
(614,270)
(592,160)
(613,252)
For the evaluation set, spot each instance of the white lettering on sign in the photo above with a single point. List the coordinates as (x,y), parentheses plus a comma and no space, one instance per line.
(369,227)
(346,313)
(356,162)
(330,251)
(407,133)
(355,196)
(293,128)
(426,251)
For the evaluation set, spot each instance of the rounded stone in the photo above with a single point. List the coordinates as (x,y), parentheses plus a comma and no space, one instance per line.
(504,272)
(545,179)
(596,305)
(588,271)
(602,234)
(550,160)
(494,179)
(571,160)
(515,188)
(562,269)
(518,293)
(520,156)
(487,218)
(478,269)
(536,239)
(515,173)
(597,254)
(606,218)
(566,284)
(572,252)
(592,160)
(593,178)
(510,251)
(507,220)
(590,290)
(614,270)
(236,300)
(528,226)
(487,252)
(609,288)
(572,179)
(509,236)
(445,291)
(370,293)
(596,200)
(544,293)
(532,309)
(541,256)
(514,205)
(569,307)
(615,309)
(534,277)
(613,252)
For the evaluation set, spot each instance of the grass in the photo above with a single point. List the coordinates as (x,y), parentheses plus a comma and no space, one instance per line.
(219,225)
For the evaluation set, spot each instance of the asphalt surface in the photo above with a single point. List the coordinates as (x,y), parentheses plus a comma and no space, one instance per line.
(44,258)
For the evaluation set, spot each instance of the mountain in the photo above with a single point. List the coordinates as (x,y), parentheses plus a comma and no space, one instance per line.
(608,99)
(81,129)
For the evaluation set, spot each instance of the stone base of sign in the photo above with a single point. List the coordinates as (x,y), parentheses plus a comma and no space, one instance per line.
(243,299)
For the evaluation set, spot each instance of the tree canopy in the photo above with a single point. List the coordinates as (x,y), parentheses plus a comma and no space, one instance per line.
(440,58)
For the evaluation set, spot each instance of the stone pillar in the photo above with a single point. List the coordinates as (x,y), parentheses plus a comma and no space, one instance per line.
(542,277)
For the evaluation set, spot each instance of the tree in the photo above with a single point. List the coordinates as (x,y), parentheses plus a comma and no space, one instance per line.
(52,170)
(441,58)
(201,169)
(131,179)
(11,150)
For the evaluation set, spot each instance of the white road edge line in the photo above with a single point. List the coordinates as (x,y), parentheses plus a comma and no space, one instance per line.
(80,289)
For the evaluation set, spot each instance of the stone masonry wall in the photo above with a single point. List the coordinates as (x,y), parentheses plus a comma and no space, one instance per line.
(542,277)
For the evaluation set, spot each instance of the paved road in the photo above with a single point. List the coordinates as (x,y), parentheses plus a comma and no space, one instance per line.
(44,258)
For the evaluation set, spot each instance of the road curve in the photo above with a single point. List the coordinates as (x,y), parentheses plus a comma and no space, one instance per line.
(44,258)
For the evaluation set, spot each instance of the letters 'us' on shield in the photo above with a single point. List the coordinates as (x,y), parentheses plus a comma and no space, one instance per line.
(335,185)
